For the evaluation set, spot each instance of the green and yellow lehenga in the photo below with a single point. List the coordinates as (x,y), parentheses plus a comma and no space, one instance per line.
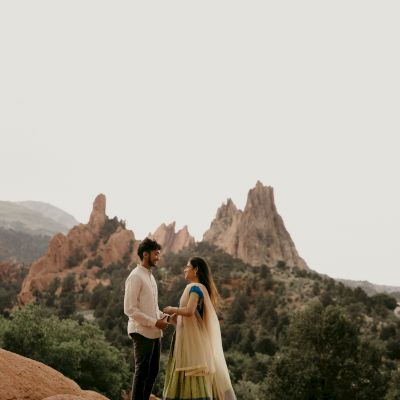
(196,367)
(180,386)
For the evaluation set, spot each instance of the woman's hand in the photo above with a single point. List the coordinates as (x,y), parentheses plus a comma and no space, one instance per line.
(169,310)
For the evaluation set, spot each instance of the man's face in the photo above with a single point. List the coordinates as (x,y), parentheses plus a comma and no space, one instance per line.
(152,257)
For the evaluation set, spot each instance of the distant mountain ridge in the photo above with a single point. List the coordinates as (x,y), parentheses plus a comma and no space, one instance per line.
(21,246)
(52,212)
(35,218)
(372,288)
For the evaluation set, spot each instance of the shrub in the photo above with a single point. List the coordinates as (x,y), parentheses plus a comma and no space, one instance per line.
(385,300)
(98,262)
(75,258)
(109,227)
(247,390)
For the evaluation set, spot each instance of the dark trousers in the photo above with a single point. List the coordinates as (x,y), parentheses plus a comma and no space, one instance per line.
(147,363)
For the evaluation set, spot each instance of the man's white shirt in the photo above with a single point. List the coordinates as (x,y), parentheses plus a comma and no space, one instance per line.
(141,303)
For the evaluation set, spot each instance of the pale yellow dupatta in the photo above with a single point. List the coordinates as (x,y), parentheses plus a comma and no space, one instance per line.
(198,347)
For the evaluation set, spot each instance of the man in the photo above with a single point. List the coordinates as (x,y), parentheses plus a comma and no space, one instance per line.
(146,321)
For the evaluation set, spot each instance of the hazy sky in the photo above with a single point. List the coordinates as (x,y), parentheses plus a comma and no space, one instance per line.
(171,107)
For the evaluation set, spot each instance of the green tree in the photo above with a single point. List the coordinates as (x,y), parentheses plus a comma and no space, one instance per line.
(325,359)
(265,345)
(3,327)
(51,292)
(67,296)
(386,300)
(394,386)
(237,311)
(67,305)
(247,344)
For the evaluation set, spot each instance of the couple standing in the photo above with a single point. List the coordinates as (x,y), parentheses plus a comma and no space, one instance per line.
(196,366)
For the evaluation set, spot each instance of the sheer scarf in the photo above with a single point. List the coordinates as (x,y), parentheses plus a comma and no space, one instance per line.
(198,347)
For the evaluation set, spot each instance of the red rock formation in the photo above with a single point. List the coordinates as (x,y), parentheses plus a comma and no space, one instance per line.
(89,395)
(100,242)
(11,271)
(116,246)
(256,235)
(98,215)
(23,378)
(171,241)
(224,231)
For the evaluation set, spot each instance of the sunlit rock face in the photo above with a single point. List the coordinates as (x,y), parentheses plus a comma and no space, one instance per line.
(83,251)
(256,235)
(170,240)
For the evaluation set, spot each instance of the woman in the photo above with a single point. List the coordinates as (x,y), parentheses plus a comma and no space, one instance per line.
(196,367)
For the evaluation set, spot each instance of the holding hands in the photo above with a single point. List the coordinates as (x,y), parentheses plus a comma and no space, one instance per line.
(171,318)
(169,310)
(162,323)
(172,312)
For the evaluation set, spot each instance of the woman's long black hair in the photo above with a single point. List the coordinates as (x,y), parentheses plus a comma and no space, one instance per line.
(205,278)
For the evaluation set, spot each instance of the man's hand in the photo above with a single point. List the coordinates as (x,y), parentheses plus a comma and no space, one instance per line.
(173,318)
(162,323)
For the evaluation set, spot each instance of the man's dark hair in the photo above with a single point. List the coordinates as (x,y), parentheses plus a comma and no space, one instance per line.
(147,245)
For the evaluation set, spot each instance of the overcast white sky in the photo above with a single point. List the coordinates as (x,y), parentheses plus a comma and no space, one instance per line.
(171,107)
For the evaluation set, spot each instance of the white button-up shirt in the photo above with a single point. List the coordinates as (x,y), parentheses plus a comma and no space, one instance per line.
(141,303)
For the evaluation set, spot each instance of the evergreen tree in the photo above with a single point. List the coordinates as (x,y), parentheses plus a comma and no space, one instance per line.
(325,359)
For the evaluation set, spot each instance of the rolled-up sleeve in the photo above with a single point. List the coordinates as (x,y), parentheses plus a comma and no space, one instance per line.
(131,302)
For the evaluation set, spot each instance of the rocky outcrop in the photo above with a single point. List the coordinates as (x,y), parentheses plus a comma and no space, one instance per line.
(83,251)
(98,215)
(89,395)
(224,230)
(23,378)
(170,241)
(256,235)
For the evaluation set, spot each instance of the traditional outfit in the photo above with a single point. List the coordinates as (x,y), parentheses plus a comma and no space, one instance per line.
(196,367)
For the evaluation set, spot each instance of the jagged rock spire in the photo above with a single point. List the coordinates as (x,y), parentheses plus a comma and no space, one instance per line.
(98,215)
(256,235)
(171,241)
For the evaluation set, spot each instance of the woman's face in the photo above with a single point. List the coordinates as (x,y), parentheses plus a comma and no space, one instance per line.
(190,272)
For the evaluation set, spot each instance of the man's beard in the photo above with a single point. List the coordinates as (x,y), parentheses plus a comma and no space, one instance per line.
(151,263)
